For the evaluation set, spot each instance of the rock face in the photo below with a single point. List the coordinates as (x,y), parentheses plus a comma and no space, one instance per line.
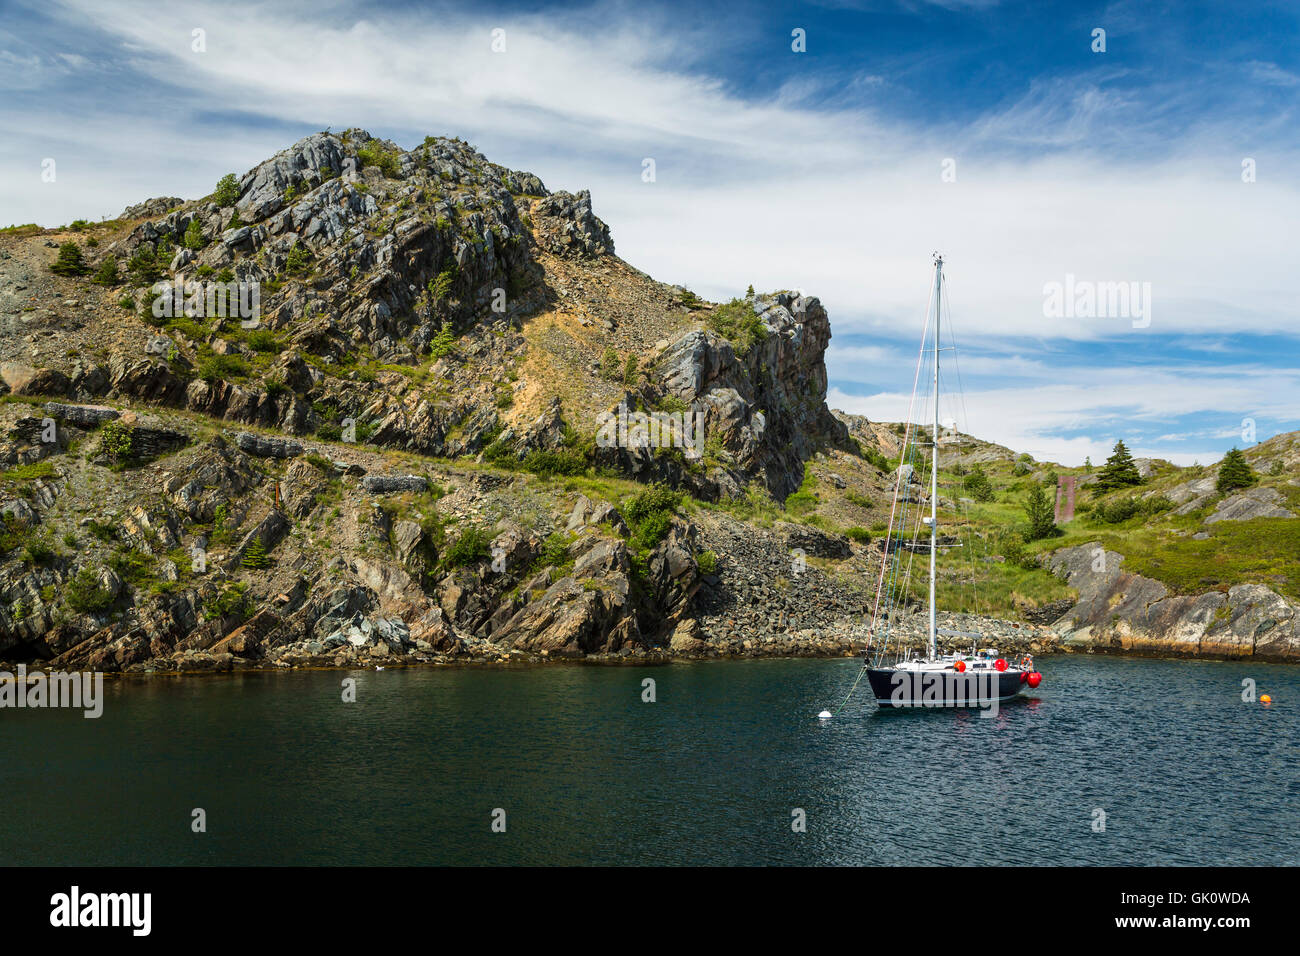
(764,411)
(1251,503)
(1126,612)
(265,447)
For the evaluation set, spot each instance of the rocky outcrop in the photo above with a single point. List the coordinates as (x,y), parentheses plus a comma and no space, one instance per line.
(266,447)
(1249,504)
(567,226)
(759,415)
(1120,611)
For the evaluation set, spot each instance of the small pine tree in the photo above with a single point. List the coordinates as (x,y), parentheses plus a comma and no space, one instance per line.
(978,485)
(107,274)
(255,557)
(69,261)
(442,343)
(1235,472)
(194,236)
(1041,511)
(749,292)
(1119,470)
(227,191)
(1087,464)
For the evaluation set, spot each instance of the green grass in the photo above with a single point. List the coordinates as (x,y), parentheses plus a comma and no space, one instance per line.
(39,469)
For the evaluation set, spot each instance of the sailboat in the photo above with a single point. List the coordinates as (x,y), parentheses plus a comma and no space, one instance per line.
(980,678)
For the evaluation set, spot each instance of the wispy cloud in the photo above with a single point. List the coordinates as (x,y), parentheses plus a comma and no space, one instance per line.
(778,170)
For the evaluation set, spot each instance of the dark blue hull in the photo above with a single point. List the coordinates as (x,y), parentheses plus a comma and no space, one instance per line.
(907,688)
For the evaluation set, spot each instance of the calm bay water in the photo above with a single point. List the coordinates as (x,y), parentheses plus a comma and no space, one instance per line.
(709,774)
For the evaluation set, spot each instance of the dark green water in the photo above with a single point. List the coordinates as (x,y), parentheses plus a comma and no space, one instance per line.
(709,774)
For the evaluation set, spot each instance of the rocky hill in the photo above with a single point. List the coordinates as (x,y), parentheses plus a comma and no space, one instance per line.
(409,405)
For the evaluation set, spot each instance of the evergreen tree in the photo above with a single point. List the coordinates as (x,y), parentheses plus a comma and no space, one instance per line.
(977,484)
(69,261)
(194,235)
(1118,471)
(255,557)
(1087,464)
(1235,472)
(107,274)
(1041,510)
(227,192)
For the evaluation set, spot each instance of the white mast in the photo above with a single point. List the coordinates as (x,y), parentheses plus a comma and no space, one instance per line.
(934,459)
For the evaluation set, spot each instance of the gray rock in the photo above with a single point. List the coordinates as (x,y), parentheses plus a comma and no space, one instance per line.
(1251,503)
(390,484)
(266,447)
(85,416)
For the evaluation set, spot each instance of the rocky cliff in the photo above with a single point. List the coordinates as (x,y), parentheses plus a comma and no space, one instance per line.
(1121,611)
(397,452)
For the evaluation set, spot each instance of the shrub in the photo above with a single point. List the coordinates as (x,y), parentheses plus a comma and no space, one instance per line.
(38,550)
(227,191)
(373,154)
(547,464)
(737,322)
(876,459)
(298,262)
(611,365)
(228,602)
(143,266)
(1113,512)
(858,534)
(473,545)
(442,343)
(805,499)
(440,286)
(115,440)
(85,594)
(194,236)
(707,562)
(216,368)
(107,274)
(555,550)
(263,340)
(650,516)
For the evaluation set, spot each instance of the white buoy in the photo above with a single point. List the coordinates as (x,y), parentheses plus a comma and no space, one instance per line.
(824,715)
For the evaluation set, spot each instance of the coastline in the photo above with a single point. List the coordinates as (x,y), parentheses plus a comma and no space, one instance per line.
(1011,638)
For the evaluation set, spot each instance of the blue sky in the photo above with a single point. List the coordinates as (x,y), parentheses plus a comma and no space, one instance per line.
(822,170)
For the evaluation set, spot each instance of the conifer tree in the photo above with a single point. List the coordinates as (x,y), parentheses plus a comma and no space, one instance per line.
(255,557)
(1119,470)
(107,274)
(1235,472)
(1041,511)
(69,261)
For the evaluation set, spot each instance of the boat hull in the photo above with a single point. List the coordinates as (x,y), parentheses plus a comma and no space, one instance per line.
(903,688)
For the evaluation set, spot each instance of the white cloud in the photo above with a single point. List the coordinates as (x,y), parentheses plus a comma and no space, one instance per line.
(771,192)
